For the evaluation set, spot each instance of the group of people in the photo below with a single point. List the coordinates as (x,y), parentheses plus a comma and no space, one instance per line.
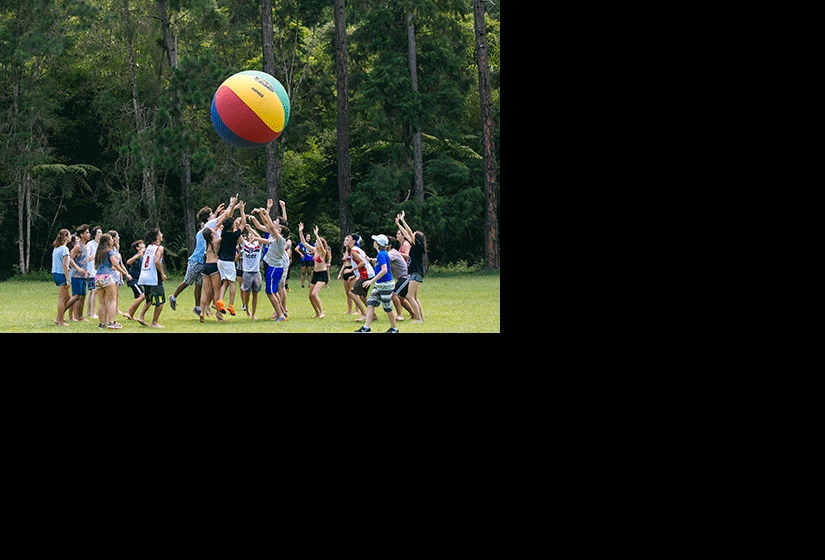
(89,262)
(230,249)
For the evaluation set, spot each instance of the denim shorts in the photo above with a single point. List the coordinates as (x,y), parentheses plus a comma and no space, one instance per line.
(417,277)
(59,279)
(78,286)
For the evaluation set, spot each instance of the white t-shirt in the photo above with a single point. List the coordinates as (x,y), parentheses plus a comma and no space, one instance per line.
(91,251)
(251,256)
(148,270)
(367,266)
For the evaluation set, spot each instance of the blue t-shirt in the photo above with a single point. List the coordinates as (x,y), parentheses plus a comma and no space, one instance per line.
(306,254)
(57,259)
(106,266)
(199,254)
(383,259)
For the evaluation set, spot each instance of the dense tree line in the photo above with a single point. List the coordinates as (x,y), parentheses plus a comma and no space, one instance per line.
(104,118)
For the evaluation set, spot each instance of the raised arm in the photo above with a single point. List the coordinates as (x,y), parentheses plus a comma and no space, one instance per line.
(270,225)
(404,227)
(319,245)
(229,211)
(303,239)
(283,210)
(255,221)
(252,236)
(243,216)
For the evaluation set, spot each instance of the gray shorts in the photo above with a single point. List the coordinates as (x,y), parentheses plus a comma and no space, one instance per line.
(382,293)
(193,273)
(251,282)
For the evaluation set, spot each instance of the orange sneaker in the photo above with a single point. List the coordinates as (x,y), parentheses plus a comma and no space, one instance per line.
(232,310)
(221,306)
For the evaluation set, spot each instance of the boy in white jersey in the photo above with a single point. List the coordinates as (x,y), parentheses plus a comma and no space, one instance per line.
(251,249)
(152,277)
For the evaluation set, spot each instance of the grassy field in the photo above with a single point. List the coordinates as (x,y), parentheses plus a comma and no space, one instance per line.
(467,302)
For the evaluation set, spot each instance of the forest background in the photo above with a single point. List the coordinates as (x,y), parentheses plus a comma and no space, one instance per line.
(105,119)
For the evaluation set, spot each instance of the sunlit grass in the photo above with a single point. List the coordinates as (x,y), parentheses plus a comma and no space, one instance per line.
(469,302)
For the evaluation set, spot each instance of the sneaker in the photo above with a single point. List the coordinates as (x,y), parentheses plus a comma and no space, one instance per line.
(221,306)
(364,329)
(101,326)
(197,310)
(392,330)
(114,325)
(279,319)
(173,302)
(232,310)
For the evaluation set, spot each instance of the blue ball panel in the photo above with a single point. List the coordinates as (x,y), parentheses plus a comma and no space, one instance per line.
(227,134)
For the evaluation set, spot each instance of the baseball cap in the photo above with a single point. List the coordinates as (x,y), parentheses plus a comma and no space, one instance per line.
(382,239)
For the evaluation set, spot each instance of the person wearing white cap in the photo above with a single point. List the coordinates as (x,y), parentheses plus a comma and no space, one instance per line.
(384,285)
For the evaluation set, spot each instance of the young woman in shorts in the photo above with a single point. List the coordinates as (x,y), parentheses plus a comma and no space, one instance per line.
(211,276)
(348,276)
(60,274)
(320,274)
(106,283)
(418,248)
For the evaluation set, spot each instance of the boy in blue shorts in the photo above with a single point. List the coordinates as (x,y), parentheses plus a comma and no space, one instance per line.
(78,260)
(275,257)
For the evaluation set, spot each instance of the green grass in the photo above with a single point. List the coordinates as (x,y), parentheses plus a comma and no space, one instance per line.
(468,302)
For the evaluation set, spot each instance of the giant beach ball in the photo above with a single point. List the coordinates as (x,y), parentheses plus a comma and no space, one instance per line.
(250,109)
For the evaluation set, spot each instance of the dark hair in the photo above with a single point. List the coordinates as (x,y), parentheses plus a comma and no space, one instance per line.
(80,229)
(421,240)
(61,235)
(136,243)
(93,229)
(356,238)
(229,225)
(208,236)
(103,249)
(152,235)
(204,213)
(284,232)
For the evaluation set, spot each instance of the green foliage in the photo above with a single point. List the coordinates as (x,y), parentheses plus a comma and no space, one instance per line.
(86,147)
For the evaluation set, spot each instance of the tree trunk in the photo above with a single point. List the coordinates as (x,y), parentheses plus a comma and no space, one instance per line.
(170,37)
(27,180)
(148,168)
(21,183)
(272,163)
(21,208)
(491,248)
(418,160)
(342,89)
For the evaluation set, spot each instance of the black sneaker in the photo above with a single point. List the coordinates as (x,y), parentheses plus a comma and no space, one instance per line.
(364,329)
(392,330)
